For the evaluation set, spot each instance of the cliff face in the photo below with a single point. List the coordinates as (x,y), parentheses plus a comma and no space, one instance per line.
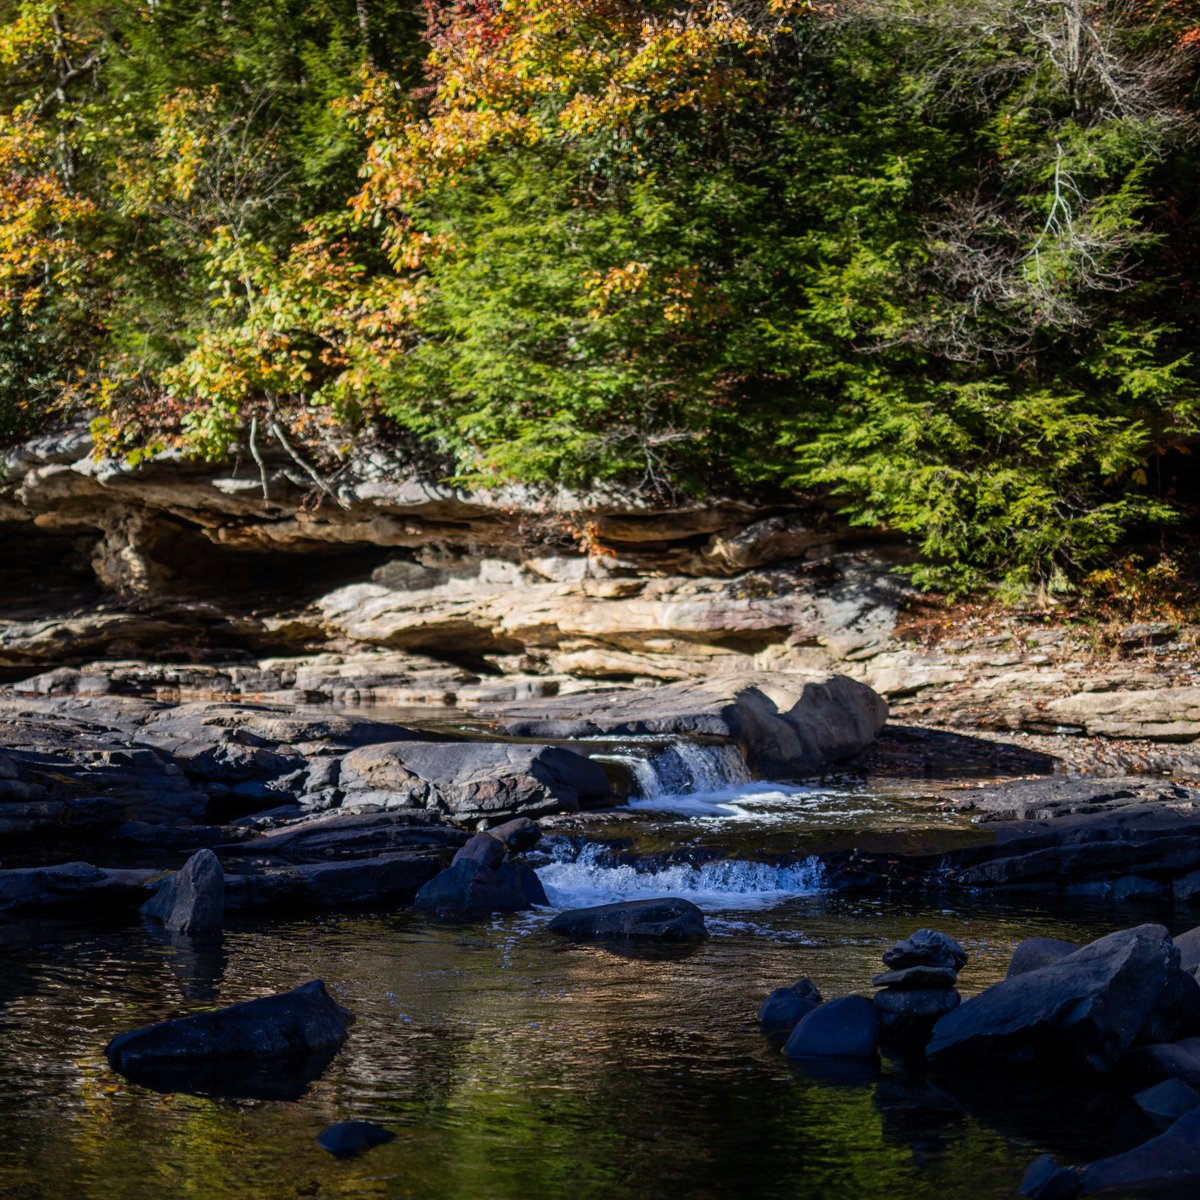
(408,588)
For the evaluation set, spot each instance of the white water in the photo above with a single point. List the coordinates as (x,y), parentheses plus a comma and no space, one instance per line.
(577,881)
(681,767)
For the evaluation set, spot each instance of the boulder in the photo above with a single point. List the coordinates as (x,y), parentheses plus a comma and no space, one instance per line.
(519,834)
(780,1012)
(1167,1165)
(848,1027)
(918,978)
(192,901)
(469,890)
(926,948)
(1084,1011)
(1046,1180)
(348,1139)
(1189,949)
(788,724)
(290,1025)
(1164,1103)
(473,781)
(1037,952)
(483,848)
(77,885)
(669,920)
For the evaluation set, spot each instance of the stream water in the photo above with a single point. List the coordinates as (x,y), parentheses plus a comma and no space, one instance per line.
(512,1064)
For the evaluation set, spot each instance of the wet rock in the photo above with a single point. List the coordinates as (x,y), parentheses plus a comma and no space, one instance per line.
(287,1026)
(788,724)
(669,920)
(349,835)
(1034,953)
(1083,1012)
(348,1139)
(483,848)
(192,901)
(1046,1180)
(473,781)
(74,885)
(848,1027)
(469,890)
(916,978)
(1166,1102)
(519,834)
(781,1011)
(926,948)
(1167,1165)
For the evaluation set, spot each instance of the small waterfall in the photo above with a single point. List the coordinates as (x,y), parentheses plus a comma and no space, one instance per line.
(575,878)
(681,768)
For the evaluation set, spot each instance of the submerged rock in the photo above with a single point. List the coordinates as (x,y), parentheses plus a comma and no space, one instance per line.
(782,1010)
(669,920)
(288,1026)
(1084,1011)
(192,901)
(848,1027)
(1046,1180)
(347,1139)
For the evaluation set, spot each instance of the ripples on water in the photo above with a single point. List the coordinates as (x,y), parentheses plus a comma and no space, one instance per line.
(512,1064)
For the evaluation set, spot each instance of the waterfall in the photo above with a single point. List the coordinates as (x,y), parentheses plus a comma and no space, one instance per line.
(682,768)
(576,878)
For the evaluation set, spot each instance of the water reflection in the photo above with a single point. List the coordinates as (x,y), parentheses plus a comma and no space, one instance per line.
(511,1064)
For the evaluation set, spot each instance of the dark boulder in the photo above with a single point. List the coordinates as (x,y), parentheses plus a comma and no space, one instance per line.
(469,890)
(483,848)
(192,901)
(780,1012)
(848,1027)
(347,1139)
(1046,1180)
(1164,1103)
(519,834)
(288,1026)
(1189,949)
(909,1015)
(1168,1165)
(1036,952)
(669,920)
(1084,1011)
(926,948)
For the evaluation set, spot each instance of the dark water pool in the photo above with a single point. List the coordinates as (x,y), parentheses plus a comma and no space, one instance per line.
(513,1065)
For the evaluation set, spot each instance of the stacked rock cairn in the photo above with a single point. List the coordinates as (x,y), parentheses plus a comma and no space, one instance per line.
(918,986)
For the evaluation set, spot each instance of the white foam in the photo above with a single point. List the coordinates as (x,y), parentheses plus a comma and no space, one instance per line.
(581,881)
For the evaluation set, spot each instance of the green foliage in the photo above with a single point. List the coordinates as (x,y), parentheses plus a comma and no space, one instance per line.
(933,259)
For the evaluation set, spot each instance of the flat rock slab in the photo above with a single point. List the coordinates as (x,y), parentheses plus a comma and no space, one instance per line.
(473,781)
(668,920)
(787,724)
(73,885)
